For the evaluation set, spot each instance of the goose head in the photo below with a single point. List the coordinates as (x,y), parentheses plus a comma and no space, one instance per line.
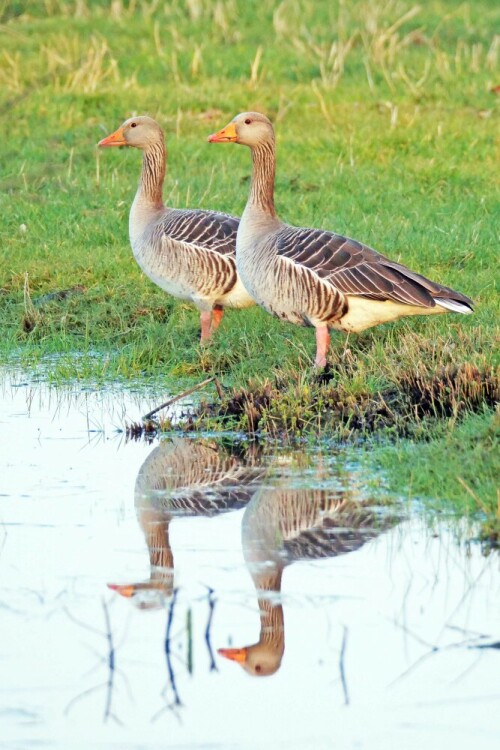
(140,132)
(259,660)
(248,128)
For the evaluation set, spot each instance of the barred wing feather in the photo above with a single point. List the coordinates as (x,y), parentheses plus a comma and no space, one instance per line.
(206,229)
(356,269)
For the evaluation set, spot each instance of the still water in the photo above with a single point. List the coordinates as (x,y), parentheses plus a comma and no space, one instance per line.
(207,592)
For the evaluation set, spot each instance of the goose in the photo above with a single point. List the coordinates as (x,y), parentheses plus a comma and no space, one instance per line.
(179,478)
(189,253)
(314,277)
(280,526)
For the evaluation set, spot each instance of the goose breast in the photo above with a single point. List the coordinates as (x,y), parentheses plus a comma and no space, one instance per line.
(190,254)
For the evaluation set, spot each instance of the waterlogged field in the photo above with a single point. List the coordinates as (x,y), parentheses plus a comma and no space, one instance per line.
(345,524)
(210,591)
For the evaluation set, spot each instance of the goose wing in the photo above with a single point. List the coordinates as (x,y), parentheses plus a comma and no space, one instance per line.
(356,269)
(209,230)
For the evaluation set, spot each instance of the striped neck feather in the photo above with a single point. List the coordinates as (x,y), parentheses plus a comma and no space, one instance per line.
(264,169)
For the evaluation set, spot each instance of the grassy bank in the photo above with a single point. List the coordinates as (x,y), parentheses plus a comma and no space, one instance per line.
(456,469)
(386,117)
(432,434)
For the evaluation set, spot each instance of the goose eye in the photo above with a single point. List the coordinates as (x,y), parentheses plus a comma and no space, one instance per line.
(133,124)
(248,121)
(257,666)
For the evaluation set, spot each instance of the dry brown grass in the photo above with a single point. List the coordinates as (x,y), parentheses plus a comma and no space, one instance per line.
(290,406)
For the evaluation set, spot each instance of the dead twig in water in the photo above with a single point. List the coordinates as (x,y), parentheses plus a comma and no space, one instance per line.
(342,667)
(171,674)
(110,660)
(211,606)
(111,665)
(469,643)
(179,396)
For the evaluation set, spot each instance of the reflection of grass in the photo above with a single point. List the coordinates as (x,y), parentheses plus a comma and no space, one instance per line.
(460,467)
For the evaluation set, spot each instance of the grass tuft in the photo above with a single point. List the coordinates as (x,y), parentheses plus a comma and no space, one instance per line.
(321,404)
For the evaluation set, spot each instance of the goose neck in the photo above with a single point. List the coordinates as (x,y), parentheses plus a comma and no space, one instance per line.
(153,174)
(264,169)
(148,201)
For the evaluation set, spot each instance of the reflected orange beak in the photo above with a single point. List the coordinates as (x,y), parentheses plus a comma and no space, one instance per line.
(226,135)
(115,139)
(126,589)
(234,654)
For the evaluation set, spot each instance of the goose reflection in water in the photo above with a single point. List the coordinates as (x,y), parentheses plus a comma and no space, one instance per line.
(183,477)
(281,526)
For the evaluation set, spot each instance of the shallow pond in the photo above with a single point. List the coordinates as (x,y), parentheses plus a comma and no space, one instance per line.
(208,592)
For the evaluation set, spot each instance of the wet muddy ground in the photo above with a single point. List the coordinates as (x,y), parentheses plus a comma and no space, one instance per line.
(207,592)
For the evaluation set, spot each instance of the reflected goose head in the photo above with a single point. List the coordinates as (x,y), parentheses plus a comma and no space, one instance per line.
(248,128)
(139,132)
(259,660)
(146,594)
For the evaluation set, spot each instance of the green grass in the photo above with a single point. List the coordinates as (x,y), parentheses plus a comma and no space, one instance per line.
(460,471)
(387,131)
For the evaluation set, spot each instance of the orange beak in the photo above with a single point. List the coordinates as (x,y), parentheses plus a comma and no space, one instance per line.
(115,139)
(226,135)
(234,654)
(126,589)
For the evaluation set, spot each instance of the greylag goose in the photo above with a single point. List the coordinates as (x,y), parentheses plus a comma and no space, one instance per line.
(183,477)
(314,277)
(189,253)
(281,526)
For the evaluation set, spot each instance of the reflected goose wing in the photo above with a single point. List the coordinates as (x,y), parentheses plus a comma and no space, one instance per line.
(195,478)
(356,269)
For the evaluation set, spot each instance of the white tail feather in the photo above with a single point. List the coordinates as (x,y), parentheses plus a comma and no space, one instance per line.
(453,305)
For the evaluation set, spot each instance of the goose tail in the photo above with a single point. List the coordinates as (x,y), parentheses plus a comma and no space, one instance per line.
(455,305)
(441,295)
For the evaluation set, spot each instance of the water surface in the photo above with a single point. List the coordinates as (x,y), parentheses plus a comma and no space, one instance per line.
(204,591)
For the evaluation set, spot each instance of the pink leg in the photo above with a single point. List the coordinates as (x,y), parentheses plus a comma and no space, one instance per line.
(322,344)
(205,318)
(217,314)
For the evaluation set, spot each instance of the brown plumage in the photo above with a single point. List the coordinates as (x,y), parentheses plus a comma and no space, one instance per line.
(281,526)
(188,253)
(183,477)
(315,277)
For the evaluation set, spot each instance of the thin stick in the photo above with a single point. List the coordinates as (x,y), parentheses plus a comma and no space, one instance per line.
(473,495)
(342,667)
(211,606)
(111,665)
(220,393)
(179,396)
(171,673)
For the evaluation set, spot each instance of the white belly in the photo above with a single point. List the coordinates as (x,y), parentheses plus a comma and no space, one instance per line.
(250,274)
(156,270)
(365,313)
(237,297)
